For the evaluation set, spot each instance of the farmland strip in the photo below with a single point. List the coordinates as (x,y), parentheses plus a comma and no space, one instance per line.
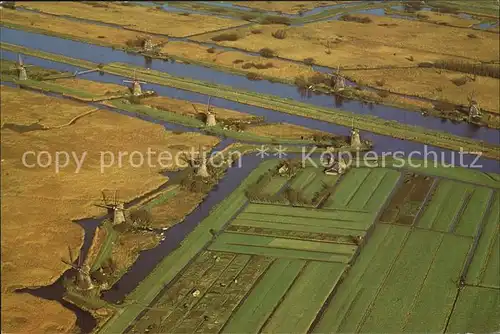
(485,243)
(280,252)
(366,189)
(435,300)
(491,275)
(265,297)
(358,289)
(347,187)
(297,227)
(381,194)
(474,211)
(305,221)
(303,301)
(451,206)
(476,311)
(437,201)
(402,283)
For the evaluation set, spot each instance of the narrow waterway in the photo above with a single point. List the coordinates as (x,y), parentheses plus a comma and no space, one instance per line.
(100,54)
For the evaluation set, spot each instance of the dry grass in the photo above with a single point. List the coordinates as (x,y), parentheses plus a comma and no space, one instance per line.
(287,7)
(424,81)
(285,131)
(95,247)
(282,69)
(38,205)
(138,17)
(369,45)
(77,30)
(176,208)
(92,87)
(186,108)
(129,245)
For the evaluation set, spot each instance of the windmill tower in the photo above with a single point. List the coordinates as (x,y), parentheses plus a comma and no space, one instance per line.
(474,109)
(148,44)
(338,81)
(21,68)
(117,207)
(338,167)
(355,138)
(83,279)
(136,85)
(210,120)
(199,162)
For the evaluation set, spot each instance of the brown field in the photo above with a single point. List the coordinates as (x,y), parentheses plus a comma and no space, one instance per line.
(97,34)
(358,45)
(92,87)
(287,7)
(142,18)
(424,81)
(176,208)
(282,69)
(38,205)
(186,108)
(284,131)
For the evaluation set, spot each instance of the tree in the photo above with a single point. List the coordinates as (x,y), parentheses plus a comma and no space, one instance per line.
(141,217)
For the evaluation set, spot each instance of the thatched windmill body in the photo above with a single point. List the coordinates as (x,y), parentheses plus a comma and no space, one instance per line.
(21,69)
(136,85)
(210,120)
(115,206)
(338,80)
(355,137)
(149,46)
(83,279)
(336,167)
(474,108)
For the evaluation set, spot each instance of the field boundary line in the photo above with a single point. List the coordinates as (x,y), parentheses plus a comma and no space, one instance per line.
(429,194)
(391,267)
(442,205)
(280,301)
(292,216)
(290,238)
(249,292)
(415,298)
(477,237)
(460,212)
(279,247)
(357,188)
(485,264)
(376,188)
(299,225)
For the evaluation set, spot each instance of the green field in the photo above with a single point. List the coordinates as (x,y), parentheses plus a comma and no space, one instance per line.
(272,268)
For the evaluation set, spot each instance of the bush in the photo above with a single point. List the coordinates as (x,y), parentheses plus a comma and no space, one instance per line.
(279,34)
(211,50)
(459,81)
(382,93)
(380,82)
(319,78)
(263,66)
(238,61)
(444,106)
(248,17)
(256,31)
(309,61)
(348,17)
(301,82)
(487,70)
(425,65)
(138,42)
(141,217)
(276,20)
(253,76)
(266,52)
(247,66)
(225,37)
(472,36)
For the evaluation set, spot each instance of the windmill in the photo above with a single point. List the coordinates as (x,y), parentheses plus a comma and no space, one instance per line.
(199,162)
(83,280)
(149,46)
(337,167)
(136,85)
(21,68)
(355,138)
(117,207)
(338,80)
(474,109)
(210,120)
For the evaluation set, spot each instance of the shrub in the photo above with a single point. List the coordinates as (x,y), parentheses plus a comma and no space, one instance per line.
(238,61)
(135,43)
(459,81)
(256,31)
(380,82)
(426,65)
(410,58)
(225,37)
(309,61)
(487,70)
(348,17)
(319,78)
(472,36)
(301,82)
(263,66)
(141,217)
(276,20)
(444,106)
(279,34)
(211,50)
(266,52)
(248,17)
(185,14)
(246,66)
(253,76)
(383,93)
